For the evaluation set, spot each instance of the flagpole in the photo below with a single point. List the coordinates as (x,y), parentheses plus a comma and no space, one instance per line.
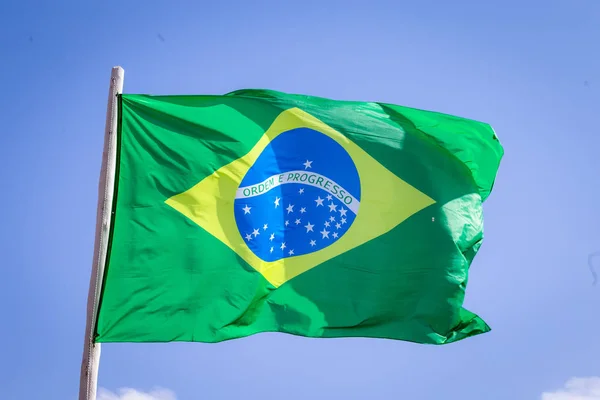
(91,352)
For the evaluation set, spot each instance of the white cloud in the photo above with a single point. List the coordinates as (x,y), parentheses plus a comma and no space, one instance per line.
(132,394)
(577,389)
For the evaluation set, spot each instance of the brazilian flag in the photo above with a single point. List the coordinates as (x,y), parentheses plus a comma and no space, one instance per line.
(260,211)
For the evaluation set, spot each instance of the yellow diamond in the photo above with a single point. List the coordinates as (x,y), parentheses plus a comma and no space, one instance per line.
(386,201)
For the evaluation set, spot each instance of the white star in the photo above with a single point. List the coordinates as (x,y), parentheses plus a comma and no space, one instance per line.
(332,207)
(343,220)
(282,246)
(291,252)
(287,223)
(255,232)
(290,208)
(335,235)
(272,237)
(270,251)
(309,227)
(338,226)
(301,191)
(319,201)
(277,201)
(248,236)
(312,243)
(307,164)
(329,197)
(297,221)
(327,224)
(302,210)
(332,218)
(246,209)
(325,233)
(265,226)
(343,212)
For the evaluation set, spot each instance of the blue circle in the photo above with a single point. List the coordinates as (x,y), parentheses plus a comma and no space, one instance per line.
(306,212)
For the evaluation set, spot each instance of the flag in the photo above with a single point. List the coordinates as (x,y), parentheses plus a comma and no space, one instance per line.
(260,211)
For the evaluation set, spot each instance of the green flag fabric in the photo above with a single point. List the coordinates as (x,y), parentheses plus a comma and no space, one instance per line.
(260,211)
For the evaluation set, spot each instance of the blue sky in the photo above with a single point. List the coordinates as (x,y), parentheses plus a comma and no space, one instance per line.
(529,68)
